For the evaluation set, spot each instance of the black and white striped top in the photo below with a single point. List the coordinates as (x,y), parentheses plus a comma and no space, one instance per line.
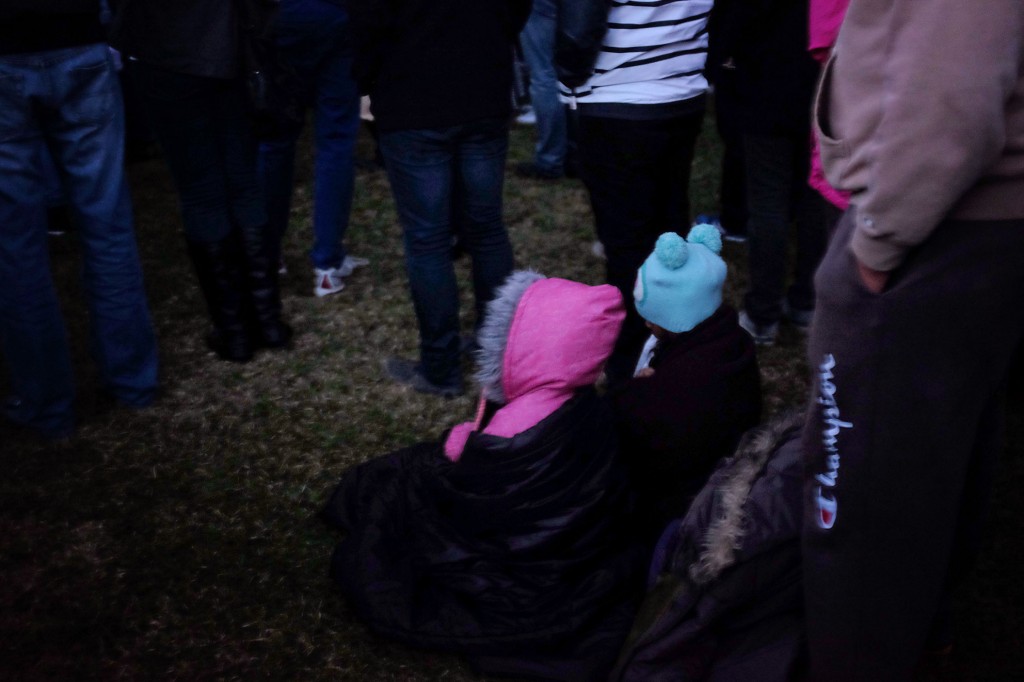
(654,52)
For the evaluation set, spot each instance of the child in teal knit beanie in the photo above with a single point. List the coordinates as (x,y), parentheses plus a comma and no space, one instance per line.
(679,285)
(697,387)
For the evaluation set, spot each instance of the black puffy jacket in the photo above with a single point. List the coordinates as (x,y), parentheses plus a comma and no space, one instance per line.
(519,555)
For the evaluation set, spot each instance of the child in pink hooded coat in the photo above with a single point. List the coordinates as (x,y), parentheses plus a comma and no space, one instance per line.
(510,543)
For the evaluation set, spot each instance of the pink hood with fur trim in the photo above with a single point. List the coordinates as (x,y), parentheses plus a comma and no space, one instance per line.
(560,336)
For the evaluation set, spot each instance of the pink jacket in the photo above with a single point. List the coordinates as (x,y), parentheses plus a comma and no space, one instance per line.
(825,18)
(560,336)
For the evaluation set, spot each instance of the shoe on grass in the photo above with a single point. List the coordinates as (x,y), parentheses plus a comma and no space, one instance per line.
(798,317)
(763,334)
(349,265)
(527,117)
(328,281)
(531,171)
(331,280)
(408,373)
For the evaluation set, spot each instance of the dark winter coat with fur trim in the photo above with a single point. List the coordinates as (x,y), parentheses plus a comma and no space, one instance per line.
(724,601)
(676,425)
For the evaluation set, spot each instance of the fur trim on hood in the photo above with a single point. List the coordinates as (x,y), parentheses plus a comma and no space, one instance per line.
(733,482)
(493,334)
(542,340)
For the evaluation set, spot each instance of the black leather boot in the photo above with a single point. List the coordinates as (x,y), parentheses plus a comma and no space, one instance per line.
(264,295)
(218,266)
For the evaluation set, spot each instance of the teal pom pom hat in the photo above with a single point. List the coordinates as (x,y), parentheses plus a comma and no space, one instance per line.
(680,284)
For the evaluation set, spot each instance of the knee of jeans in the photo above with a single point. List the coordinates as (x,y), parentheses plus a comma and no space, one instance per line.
(484,232)
(429,243)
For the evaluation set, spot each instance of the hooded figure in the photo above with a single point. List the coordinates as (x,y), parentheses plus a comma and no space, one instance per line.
(511,542)
(724,595)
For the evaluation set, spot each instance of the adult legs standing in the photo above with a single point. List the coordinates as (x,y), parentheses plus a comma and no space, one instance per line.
(776,169)
(637,173)
(900,444)
(423,167)
(732,197)
(538,41)
(313,38)
(207,140)
(69,99)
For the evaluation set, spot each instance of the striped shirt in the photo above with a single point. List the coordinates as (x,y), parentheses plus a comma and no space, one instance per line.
(653,53)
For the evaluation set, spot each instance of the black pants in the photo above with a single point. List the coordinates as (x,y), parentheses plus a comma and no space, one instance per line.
(206,135)
(732,191)
(902,440)
(778,194)
(638,176)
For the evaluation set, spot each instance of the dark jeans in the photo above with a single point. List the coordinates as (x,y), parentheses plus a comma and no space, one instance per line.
(61,110)
(427,168)
(638,176)
(902,440)
(538,41)
(204,130)
(313,37)
(778,194)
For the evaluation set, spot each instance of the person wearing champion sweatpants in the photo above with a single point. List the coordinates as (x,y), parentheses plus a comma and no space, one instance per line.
(920,309)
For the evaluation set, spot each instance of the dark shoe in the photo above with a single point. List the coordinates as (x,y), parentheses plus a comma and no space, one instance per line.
(532,171)
(275,337)
(218,268)
(230,347)
(408,373)
(798,317)
(13,410)
(572,169)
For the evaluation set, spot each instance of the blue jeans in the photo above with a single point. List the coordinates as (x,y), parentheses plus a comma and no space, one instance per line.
(538,41)
(313,38)
(442,178)
(70,101)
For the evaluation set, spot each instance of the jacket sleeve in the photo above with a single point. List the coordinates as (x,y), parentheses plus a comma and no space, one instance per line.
(580,29)
(952,67)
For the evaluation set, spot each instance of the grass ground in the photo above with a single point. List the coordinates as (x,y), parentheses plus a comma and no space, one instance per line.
(181,541)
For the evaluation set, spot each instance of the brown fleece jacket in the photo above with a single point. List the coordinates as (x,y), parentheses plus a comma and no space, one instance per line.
(920,113)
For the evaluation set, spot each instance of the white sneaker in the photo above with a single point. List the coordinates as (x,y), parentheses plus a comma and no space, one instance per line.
(349,265)
(527,117)
(763,335)
(328,282)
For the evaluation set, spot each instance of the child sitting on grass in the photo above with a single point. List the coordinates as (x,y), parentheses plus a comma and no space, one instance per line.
(510,541)
(697,387)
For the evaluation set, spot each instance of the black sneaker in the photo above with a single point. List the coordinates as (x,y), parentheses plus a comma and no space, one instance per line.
(798,317)
(408,373)
(532,171)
